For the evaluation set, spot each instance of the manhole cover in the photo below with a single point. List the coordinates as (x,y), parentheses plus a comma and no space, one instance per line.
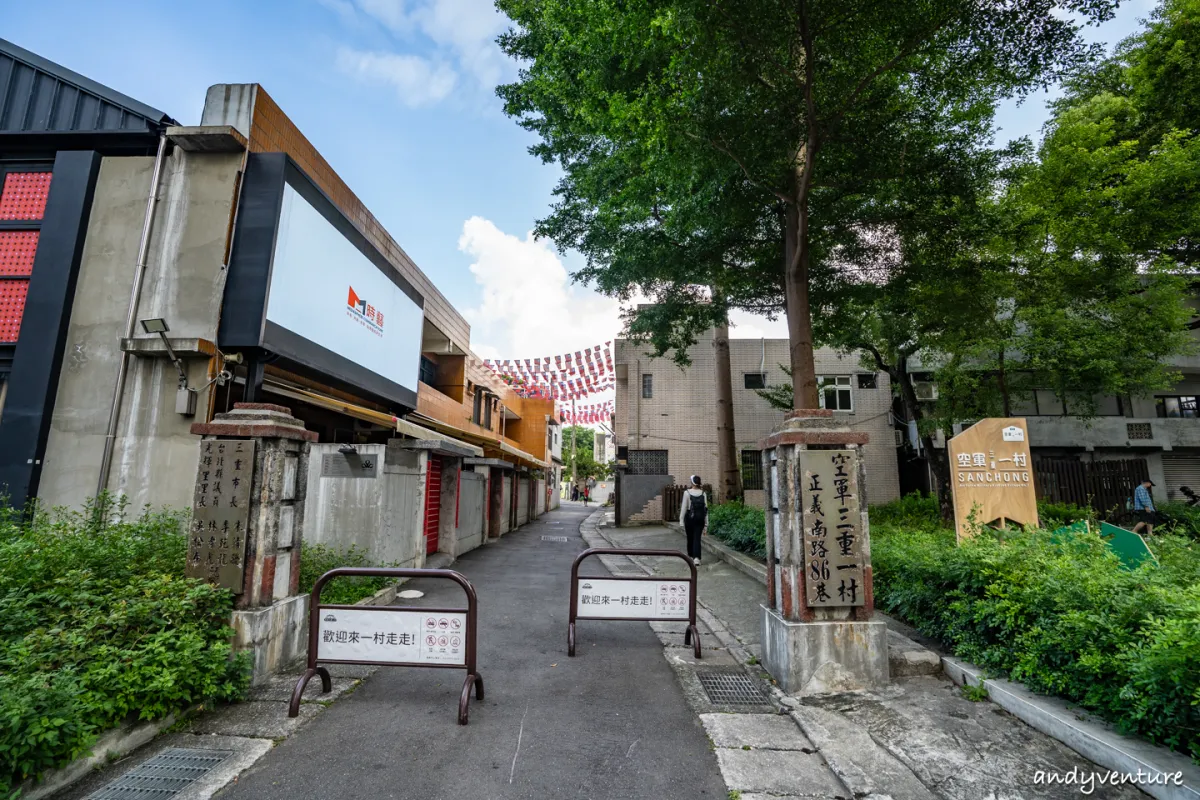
(731,688)
(554,538)
(162,777)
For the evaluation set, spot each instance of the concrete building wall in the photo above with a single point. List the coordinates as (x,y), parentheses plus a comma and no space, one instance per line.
(681,416)
(154,460)
(380,515)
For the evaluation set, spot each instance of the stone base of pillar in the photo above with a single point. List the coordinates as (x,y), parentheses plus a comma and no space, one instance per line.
(274,635)
(824,657)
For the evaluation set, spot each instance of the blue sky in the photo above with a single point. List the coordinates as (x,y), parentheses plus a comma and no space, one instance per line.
(398,96)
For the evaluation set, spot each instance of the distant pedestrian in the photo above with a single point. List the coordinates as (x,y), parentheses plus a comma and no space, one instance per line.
(586,495)
(1143,507)
(693,516)
(575,493)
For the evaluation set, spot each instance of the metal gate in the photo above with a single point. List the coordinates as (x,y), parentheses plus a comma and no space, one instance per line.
(1102,485)
(470,511)
(506,498)
(433,504)
(523,501)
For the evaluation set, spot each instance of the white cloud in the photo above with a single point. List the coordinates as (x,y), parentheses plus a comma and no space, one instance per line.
(529,307)
(418,81)
(460,36)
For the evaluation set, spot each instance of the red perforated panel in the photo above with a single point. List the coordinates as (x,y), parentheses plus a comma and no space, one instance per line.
(12,306)
(16,252)
(24,195)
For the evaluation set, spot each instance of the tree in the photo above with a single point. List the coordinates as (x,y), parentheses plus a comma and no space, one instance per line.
(804,100)
(581,455)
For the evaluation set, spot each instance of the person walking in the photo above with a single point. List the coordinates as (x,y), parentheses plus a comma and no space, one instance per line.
(693,516)
(1143,507)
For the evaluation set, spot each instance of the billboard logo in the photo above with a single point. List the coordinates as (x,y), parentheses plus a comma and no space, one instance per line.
(365,313)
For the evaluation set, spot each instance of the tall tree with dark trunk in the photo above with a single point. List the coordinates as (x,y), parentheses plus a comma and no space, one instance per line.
(729,477)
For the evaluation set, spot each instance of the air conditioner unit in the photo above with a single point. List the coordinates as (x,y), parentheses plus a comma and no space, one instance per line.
(926,391)
(899,437)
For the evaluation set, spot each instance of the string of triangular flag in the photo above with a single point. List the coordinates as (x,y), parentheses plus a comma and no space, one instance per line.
(589,414)
(563,377)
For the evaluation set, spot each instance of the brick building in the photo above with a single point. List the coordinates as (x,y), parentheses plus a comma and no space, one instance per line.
(665,420)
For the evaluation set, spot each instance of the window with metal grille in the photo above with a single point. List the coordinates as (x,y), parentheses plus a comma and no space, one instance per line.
(867,380)
(647,462)
(752,476)
(647,386)
(1138,430)
(835,392)
(755,380)
(23,194)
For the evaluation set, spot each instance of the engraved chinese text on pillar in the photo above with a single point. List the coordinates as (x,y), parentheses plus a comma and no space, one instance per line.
(833,561)
(220,512)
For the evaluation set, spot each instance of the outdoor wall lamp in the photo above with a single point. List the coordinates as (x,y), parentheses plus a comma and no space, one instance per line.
(185,397)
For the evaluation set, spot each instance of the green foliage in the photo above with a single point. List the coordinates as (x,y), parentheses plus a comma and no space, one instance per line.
(1179,518)
(913,511)
(581,455)
(976,694)
(741,527)
(1057,515)
(317,559)
(1063,618)
(98,625)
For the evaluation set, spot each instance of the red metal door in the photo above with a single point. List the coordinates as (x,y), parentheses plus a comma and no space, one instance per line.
(433,504)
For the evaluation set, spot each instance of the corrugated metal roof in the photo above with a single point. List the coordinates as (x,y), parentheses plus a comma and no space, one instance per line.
(37,95)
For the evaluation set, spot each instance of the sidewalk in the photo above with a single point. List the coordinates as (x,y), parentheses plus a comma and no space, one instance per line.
(919,738)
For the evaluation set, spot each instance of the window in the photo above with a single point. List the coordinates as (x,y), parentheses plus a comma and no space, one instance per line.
(752,477)
(647,386)
(755,380)
(647,462)
(1176,406)
(835,392)
(488,402)
(867,380)
(428,374)
(23,194)
(477,407)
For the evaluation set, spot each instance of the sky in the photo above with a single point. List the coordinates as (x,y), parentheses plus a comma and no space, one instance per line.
(399,96)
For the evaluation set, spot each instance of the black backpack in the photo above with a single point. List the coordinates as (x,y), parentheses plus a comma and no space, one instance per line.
(697,507)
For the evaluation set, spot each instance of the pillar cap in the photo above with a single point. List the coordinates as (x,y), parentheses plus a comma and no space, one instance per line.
(813,426)
(256,420)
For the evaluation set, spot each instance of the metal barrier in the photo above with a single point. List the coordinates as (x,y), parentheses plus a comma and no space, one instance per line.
(392,636)
(668,600)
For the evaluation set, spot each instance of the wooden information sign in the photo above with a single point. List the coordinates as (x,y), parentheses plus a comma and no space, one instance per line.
(991,473)
(833,546)
(220,512)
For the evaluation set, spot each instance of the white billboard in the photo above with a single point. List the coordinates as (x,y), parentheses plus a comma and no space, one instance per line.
(325,290)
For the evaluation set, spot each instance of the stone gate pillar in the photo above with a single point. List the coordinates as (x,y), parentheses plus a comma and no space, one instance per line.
(817,630)
(247,515)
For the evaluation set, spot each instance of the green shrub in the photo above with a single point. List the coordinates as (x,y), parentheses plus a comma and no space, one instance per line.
(1057,515)
(98,625)
(742,527)
(912,511)
(1064,619)
(317,559)
(1179,518)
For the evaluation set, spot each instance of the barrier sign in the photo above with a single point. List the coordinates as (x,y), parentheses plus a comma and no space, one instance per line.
(384,635)
(662,599)
(391,636)
(603,598)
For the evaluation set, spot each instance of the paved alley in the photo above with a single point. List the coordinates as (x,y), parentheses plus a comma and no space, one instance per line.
(610,723)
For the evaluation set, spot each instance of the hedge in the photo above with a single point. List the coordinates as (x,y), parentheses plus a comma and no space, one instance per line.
(741,527)
(1064,619)
(317,559)
(97,626)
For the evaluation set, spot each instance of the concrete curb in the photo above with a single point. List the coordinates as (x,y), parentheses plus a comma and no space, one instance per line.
(1092,739)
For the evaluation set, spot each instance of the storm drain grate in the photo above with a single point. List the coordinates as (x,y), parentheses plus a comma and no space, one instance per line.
(731,688)
(554,539)
(162,777)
